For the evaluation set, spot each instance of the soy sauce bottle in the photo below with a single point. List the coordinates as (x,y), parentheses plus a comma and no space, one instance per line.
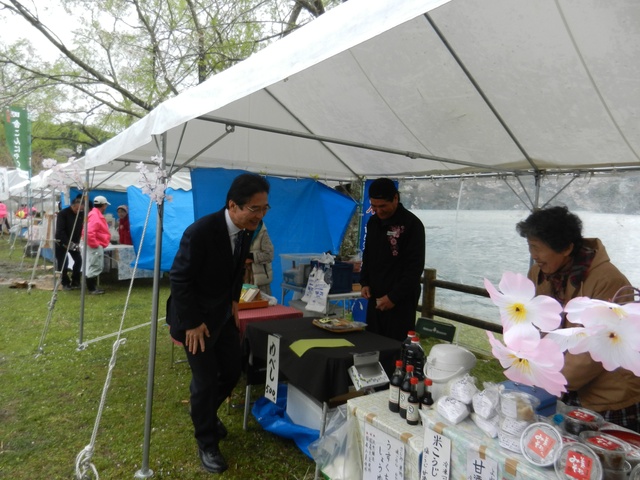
(405,391)
(426,402)
(413,403)
(394,387)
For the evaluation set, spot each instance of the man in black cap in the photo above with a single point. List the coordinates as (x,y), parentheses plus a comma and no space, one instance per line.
(392,263)
(69,223)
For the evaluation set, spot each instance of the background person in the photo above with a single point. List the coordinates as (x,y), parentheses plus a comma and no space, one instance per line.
(69,223)
(392,263)
(202,311)
(568,266)
(259,269)
(124,228)
(4,218)
(98,237)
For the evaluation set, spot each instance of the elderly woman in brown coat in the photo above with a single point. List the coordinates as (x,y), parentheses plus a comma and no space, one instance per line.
(568,266)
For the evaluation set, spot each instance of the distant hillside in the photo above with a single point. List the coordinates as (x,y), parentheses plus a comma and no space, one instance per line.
(616,193)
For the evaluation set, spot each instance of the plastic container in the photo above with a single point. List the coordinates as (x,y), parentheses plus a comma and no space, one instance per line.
(518,405)
(509,441)
(296,267)
(610,450)
(577,461)
(513,426)
(446,362)
(618,474)
(579,420)
(541,444)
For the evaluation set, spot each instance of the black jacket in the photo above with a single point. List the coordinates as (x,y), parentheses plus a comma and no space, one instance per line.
(65,230)
(205,278)
(393,257)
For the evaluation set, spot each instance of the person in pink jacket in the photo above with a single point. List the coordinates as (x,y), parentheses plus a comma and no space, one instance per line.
(98,237)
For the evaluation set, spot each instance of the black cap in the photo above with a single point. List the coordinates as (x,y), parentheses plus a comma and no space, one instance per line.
(383,189)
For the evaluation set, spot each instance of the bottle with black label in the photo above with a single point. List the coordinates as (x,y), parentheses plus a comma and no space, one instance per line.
(403,347)
(413,403)
(405,390)
(394,387)
(415,355)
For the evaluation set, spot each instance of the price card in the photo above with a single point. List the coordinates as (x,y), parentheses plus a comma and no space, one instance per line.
(273,368)
(541,444)
(383,455)
(481,468)
(436,456)
(578,466)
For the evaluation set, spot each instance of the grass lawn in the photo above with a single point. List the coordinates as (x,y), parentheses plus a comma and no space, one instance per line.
(49,402)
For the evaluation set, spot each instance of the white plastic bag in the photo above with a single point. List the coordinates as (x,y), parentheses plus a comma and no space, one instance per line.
(332,451)
(319,295)
(311,283)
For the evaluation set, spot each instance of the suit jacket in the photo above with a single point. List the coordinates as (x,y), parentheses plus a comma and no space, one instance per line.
(205,278)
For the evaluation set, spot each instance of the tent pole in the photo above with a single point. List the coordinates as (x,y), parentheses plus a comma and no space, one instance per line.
(145,471)
(83,287)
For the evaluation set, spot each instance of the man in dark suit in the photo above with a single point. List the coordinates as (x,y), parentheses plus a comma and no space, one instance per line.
(69,223)
(202,311)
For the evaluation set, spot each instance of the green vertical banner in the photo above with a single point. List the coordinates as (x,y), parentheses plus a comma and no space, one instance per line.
(17,128)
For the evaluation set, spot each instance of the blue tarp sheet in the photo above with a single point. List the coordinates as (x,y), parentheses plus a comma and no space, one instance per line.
(178,215)
(306,216)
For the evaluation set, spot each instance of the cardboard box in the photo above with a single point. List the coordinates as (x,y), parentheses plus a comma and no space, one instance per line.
(367,371)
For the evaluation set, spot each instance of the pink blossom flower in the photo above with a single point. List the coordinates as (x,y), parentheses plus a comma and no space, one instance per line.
(613,332)
(539,366)
(568,338)
(521,311)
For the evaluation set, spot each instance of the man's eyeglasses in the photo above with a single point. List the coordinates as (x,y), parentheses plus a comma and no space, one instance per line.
(262,210)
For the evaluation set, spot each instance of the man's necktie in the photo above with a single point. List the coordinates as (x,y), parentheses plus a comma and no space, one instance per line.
(237,246)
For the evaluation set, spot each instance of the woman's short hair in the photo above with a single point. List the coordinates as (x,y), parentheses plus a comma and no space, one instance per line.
(555,226)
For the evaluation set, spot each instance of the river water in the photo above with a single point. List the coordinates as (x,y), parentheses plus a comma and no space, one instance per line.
(467,246)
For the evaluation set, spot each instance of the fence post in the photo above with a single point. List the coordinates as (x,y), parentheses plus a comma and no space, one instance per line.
(428,292)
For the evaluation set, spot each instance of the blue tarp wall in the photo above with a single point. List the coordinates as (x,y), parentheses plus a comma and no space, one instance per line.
(306,216)
(178,215)
(114,198)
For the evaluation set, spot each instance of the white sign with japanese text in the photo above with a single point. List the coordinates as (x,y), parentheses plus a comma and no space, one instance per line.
(436,456)
(273,368)
(481,468)
(383,455)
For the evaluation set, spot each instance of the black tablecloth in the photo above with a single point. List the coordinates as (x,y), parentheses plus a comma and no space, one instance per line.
(321,372)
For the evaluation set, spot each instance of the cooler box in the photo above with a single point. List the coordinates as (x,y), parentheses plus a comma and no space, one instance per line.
(341,277)
(547,405)
(303,409)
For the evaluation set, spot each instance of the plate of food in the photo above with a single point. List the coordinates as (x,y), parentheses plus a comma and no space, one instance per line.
(338,325)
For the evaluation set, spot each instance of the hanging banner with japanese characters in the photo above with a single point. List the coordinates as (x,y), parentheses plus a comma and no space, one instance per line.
(17,129)
(4,184)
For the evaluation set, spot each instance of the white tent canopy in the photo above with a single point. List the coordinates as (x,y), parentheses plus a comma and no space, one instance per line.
(424,87)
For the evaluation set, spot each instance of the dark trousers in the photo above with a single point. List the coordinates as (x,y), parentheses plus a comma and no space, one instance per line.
(394,323)
(62,265)
(215,373)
